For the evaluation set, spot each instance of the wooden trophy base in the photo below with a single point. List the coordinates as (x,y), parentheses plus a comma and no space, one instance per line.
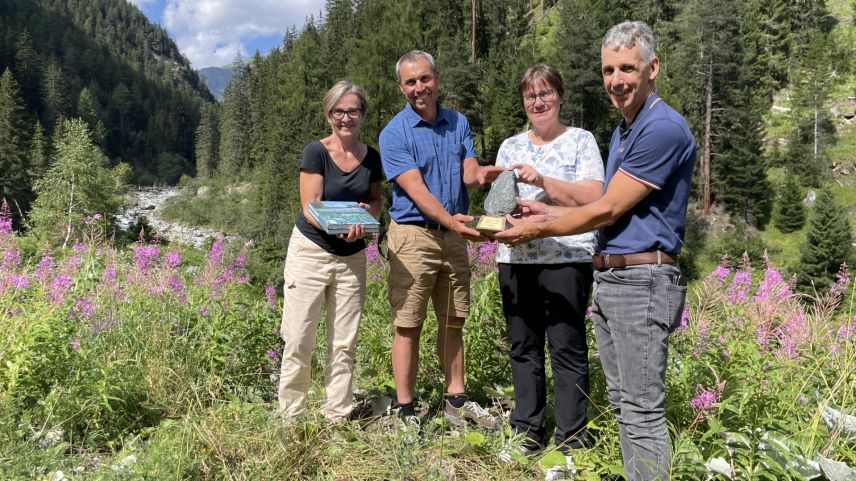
(491,224)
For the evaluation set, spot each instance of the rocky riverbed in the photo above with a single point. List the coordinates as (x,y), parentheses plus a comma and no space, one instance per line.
(147,202)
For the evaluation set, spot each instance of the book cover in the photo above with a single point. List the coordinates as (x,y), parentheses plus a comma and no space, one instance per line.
(337,217)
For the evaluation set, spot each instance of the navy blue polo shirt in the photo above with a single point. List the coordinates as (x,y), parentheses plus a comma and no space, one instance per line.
(658,150)
(437,149)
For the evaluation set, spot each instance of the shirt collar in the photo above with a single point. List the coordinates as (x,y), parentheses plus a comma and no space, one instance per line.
(413,118)
(624,129)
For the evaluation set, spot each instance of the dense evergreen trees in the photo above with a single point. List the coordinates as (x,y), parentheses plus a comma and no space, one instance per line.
(722,62)
(828,243)
(101,60)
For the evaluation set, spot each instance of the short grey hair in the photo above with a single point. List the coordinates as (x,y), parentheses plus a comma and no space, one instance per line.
(630,33)
(339,90)
(413,56)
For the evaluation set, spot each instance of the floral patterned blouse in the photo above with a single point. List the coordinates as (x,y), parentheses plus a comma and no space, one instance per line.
(573,156)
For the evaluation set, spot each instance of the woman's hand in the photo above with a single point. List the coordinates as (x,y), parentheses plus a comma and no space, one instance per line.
(528,175)
(355,233)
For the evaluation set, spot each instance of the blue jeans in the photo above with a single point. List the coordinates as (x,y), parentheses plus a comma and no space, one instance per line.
(634,310)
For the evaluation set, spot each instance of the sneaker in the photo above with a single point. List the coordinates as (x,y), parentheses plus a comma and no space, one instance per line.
(470,411)
(409,426)
(516,450)
(561,472)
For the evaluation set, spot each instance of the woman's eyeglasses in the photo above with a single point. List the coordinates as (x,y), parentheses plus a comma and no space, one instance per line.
(545,95)
(339,114)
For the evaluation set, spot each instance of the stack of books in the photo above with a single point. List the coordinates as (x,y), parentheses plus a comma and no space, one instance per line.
(337,217)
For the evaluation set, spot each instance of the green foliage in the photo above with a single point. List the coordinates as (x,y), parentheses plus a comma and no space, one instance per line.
(790,212)
(78,184)
(104,62)
(828,243)
(14,181)
(736,241)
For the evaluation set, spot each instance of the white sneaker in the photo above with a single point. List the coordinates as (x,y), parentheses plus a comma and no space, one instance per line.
(409,427)
(562,472)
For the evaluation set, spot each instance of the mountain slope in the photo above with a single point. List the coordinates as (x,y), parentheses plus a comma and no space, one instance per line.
(103,61)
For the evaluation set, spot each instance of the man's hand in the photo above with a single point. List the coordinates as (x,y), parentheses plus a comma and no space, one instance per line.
(521,231)
(460,227)
(488,173)
(535,211)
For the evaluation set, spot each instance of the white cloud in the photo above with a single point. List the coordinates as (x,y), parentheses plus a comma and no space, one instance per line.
(140,3)
(212,32)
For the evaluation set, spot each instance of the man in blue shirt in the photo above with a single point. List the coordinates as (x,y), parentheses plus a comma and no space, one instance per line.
(428,155)
(639,293)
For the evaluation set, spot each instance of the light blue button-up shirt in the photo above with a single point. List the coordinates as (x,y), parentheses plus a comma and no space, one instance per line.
(437,149)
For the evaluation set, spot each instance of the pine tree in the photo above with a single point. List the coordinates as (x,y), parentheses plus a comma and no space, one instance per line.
(27,69)
(207,142)
(828,243)
(14,183)
(39,153)
(790,210)
(235,125)
(88,110)
(54,96)
(79,183)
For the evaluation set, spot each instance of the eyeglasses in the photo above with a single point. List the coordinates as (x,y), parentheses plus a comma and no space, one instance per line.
(545,95)
(339,114)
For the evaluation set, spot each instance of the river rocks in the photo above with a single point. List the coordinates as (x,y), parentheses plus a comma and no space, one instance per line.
(146,203)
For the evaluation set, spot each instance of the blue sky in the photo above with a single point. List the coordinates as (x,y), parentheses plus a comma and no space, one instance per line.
(212,32)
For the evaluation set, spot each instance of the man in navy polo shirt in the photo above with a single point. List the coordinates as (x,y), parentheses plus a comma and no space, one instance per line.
(428,155)
(638,294)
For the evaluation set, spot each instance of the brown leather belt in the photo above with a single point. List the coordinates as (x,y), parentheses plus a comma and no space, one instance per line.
(603,262)
(425,225)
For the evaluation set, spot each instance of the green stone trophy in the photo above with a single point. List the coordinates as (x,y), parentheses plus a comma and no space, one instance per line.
(500,201)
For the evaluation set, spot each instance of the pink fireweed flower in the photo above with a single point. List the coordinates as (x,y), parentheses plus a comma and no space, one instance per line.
(270,295)
(146,256)
(11,259)
(719,275)
(84,308)
(78,248)
(173,259)
(487,254)
(685,319)
(5,218)
(215,255)
(273,354)
(846,331)
(74,344)
(372,251)
(773,287)
(72,263)
(739,288)
(59,287)
(240,261)
(839,287)
(19,281)
(45,268)
(109,276)
(706,398)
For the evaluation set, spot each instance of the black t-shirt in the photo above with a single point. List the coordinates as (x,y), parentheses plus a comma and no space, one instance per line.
(352,186)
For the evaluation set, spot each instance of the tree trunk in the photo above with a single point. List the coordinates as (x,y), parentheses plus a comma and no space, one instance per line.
(473,34)
(705,155)
(70,208)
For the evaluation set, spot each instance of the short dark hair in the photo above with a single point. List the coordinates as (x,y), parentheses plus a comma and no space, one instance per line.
(413,56)
(541,72)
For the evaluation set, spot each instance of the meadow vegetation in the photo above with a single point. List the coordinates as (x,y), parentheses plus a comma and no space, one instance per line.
(160,363)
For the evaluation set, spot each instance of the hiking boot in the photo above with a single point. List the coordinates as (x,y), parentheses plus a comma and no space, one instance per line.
(561,472)
(472,412)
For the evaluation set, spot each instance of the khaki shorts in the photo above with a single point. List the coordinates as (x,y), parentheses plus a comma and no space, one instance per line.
(427,264)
